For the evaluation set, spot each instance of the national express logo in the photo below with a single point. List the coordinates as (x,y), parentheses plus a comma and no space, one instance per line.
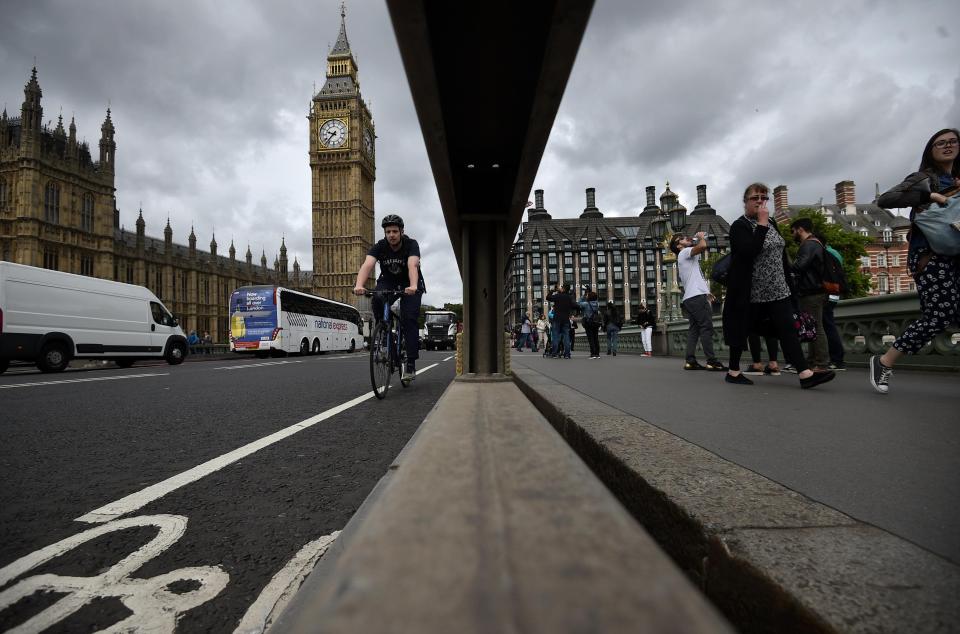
(301,321)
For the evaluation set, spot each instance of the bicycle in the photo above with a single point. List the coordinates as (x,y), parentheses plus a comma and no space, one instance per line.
(388,349)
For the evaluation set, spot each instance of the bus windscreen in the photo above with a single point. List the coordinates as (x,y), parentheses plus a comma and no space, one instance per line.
(253,316)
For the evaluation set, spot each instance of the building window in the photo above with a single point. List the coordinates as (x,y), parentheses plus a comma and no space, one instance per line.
(51,203)
(183,286)
(4,194)
(129,272)
(51,260)
(865,262)
(881,260)
(86,213)
(86,265)
(601,258)
(159,282)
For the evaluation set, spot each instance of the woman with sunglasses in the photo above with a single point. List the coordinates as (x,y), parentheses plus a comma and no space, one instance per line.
(937,276)
(758,291)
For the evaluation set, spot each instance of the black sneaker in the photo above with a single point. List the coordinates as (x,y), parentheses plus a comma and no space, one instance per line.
(789,368)
(693,365)
(409,372)
(768,371)
(817,378)
(737,380)
(879,375)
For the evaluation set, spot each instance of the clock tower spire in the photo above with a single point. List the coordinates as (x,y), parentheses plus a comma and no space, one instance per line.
(343,171)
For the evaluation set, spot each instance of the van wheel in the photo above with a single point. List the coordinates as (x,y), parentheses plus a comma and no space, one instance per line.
(176,353)
(304,347)
(4,364)
(53,358)
(353,345)
(124,363)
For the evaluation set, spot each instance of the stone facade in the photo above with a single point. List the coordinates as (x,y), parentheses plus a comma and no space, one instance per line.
(616,256)
(58,211)
(343,170)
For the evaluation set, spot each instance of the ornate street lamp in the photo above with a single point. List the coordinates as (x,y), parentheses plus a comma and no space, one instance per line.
(886,243)
(678,218)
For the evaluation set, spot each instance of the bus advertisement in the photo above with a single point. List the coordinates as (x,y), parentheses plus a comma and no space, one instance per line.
(274,320)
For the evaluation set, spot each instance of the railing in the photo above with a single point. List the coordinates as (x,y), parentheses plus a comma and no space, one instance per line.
(210,348)
(867,325)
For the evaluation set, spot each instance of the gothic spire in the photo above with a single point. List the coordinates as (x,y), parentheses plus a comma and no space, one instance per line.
(342,47)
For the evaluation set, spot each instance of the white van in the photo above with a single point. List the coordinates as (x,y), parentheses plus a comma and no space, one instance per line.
(51,317)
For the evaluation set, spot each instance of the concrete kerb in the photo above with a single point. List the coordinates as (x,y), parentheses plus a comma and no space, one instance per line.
(771,559)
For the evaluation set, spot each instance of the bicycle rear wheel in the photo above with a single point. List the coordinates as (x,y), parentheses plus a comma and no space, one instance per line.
(380,366)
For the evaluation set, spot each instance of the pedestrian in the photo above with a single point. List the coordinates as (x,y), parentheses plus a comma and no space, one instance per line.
(808,278)
(592,321)
(758,290)
(524,337)
(645,320)
(543,329)
(834,341)
(696,302)
(937,276)
(193,339)
(562,305)
(612,323)
(573,332)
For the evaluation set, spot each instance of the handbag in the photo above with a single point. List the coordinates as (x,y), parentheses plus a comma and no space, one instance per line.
(721,269)
(940,225)
(805,325)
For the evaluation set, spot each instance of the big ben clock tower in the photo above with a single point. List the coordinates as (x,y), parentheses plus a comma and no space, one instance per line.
(343,170)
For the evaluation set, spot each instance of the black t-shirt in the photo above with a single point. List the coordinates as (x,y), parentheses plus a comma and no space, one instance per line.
(393,264)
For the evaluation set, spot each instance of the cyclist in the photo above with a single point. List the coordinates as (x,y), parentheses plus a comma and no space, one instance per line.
(399,258)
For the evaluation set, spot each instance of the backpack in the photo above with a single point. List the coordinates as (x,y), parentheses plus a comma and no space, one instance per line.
(834,277)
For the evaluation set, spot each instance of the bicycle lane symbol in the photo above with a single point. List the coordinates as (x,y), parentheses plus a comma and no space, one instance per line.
(154,607)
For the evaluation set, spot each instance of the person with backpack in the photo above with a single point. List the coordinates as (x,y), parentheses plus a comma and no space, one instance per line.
(612,323)
(592,320)
(808,273)
(937,275)
(833,271)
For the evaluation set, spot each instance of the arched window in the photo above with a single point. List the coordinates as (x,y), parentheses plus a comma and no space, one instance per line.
(86,213)
(51,203)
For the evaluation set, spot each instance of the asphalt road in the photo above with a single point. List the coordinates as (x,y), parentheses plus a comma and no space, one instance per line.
(218,546)
(889,460)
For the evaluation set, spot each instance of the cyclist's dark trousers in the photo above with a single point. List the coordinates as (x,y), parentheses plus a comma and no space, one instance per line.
(409,313)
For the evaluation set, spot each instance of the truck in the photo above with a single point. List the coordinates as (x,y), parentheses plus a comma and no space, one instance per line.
(440,330)
(50,317)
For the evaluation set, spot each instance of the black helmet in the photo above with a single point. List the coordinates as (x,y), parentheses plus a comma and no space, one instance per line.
(392,219)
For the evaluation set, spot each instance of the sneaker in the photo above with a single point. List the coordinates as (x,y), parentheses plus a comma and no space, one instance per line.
(716,366)
(838,367)
(753,371)
(648,354)
(879,375)
(789,368)
(693,365)
(737,380)
(409,372)
(768,371)
(816,379)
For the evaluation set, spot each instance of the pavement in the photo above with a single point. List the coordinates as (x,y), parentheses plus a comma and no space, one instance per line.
(844,520)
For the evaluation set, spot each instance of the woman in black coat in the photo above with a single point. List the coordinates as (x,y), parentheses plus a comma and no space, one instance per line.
(758,289)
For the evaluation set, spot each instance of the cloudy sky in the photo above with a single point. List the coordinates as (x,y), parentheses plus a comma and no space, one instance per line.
(210,98)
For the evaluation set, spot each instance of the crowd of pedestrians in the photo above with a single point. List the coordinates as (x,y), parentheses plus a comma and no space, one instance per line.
(775,301)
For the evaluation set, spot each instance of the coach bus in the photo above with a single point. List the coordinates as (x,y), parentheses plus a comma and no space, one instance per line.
(272,320)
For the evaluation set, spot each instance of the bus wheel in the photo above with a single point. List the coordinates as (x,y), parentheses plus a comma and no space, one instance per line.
(316,346)
(353,345)
(124,363)
(304,347)
(53,357)
(176,353)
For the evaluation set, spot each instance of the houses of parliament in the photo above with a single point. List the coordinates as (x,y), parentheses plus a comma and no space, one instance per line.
(58,208)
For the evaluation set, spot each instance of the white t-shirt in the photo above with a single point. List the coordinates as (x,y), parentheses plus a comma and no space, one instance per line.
(690,275)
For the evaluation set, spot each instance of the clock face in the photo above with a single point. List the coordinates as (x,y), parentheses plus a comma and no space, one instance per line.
(368,142)
(333,133)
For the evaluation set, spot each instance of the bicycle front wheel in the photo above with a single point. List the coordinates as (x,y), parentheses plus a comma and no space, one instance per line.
(380,369)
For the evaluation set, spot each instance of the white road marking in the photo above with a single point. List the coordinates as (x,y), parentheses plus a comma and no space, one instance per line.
(277,594)
(100,378)
(137,500)
(450,357)
(154,606)
(254,365)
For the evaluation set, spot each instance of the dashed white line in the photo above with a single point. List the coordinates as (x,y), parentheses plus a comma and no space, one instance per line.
(99,378)
(450,357)
(254,365)
(141,498)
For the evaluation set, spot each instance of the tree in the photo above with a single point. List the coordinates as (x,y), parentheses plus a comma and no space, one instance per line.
(851,245)
(456,308)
